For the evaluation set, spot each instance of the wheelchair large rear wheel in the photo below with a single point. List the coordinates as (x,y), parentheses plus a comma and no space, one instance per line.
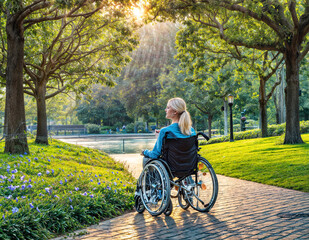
(155,188)
(202,194)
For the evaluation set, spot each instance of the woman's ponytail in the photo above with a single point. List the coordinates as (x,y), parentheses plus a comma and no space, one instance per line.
(185,123)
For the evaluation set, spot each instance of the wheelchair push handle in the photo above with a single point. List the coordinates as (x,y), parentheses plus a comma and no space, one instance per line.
(203,134)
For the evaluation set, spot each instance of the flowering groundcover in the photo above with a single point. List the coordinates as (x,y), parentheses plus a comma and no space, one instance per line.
(59,188)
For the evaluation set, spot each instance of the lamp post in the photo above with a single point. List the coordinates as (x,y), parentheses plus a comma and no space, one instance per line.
(230,100)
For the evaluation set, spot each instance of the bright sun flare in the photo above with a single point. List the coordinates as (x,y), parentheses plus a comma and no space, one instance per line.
(138,12)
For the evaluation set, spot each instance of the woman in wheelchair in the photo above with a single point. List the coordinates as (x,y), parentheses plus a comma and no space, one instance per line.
(174,163)
(181,127)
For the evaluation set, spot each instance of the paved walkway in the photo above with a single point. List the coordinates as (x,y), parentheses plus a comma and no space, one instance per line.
(244,210)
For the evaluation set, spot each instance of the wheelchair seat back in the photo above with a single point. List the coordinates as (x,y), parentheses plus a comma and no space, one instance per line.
(180,155)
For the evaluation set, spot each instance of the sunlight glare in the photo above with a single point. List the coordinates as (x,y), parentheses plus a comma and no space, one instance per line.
(138,12)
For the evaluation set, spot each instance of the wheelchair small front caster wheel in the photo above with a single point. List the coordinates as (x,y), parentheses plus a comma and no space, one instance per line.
(139,206)
(169,209)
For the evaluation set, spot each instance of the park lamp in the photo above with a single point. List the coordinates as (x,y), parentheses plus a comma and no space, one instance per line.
(230,100)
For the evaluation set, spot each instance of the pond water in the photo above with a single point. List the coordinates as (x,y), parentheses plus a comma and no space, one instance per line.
(117,146)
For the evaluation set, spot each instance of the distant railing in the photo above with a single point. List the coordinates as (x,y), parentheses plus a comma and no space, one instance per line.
(62,129)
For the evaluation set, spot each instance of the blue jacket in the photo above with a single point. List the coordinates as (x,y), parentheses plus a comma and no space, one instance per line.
(174,131)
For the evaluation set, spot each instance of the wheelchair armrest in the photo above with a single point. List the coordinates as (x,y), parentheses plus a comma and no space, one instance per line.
(202,134)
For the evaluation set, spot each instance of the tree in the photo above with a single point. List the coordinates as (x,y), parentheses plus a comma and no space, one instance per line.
(203,52)
(103,107)
(20,16)
(265,25)
(140,88)
(83,51)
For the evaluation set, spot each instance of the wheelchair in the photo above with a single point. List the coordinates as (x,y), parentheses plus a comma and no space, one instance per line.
(180,172)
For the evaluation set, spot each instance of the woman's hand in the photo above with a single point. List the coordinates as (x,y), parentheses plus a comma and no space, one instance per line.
(142,153)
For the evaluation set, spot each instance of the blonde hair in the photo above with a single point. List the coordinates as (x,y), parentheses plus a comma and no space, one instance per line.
(185,123)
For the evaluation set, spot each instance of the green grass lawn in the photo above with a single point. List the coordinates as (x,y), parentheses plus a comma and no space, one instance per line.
(263,160)
(60,188)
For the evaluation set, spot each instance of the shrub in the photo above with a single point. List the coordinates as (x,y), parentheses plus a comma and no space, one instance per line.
(137,127)
(272,130)
(130,128)
(93,128)
(304,126)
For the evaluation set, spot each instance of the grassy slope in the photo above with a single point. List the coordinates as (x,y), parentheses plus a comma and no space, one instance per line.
(262,160)
(60,188)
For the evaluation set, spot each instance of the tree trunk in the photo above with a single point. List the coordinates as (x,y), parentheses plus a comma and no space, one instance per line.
(263,107)
(209,125)
(277,108)
(225,119)
(42,133)
(292,131)
(281,99)
(16,137)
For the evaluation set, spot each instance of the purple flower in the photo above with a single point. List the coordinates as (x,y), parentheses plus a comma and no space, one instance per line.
(91,196)
(52,171)
(36,158)
(16,199)
(47,172)
(38,209)
(29,186)
(115,183)
(91,180)
(65,180)
(22,178)
(3,217)
(85,193)
(41,194)
(115,190)
(39,174)
(15,209)
(70,199)
(14,171)
(56,196)
(30,180)
(60,182)
(99,183)
(48,190)
(71,207)
(76,188)
(31,205)
(21,156)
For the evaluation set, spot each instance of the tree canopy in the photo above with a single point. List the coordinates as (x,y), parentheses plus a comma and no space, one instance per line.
(21,16)
(275,25)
